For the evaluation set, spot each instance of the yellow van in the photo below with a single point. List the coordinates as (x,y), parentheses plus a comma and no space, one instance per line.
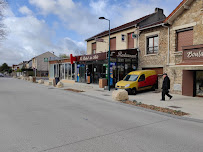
(137,81)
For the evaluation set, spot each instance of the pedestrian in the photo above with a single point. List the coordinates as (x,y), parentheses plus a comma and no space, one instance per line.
(165,87)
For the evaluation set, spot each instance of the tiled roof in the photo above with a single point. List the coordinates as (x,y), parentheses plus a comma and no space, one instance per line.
(120,28)
(150,25)
(176,9)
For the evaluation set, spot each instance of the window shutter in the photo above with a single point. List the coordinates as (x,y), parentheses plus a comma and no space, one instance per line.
(93,48)
(113,43)
(130,41)
(184,38)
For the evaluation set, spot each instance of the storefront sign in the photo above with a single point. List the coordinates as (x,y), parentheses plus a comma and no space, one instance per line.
(193,53)
(98,56)
(124,53)
(129,53)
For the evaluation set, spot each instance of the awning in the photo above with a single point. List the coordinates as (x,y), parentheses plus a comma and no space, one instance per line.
(188,66)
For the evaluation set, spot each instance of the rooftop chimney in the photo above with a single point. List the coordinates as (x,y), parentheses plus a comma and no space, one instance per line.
(159,10)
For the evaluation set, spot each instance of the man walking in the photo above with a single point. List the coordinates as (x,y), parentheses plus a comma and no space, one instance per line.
(165,87)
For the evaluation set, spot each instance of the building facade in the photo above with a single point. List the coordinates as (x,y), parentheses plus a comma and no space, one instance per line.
(40,63)
(175,47)
(124,46)
(62,69)
(186,51)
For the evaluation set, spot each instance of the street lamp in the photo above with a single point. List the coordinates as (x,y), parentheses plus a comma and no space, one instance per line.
(103,18)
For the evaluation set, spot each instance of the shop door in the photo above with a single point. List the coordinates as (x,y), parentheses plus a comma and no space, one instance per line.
(199,83)
(188,83)
(120,71)
(82,73)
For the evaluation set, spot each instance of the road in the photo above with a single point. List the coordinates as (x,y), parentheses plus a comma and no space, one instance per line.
(37,118)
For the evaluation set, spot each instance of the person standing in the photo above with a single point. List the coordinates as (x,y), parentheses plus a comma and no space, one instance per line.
(165,87)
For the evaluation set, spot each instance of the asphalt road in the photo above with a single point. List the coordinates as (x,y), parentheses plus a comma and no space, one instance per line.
(37,118)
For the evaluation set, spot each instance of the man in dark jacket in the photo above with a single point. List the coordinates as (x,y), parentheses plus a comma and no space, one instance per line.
(165,87)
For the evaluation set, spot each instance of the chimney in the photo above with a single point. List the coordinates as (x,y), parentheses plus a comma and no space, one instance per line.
(159,10)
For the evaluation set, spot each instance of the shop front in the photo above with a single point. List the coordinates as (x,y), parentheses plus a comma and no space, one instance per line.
(62,69)
(192,68)
(96,66)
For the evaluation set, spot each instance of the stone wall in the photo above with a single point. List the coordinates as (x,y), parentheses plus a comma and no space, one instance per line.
(158,60)
(192,17)
(153,60)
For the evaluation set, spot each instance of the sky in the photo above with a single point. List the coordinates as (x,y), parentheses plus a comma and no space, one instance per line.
(61,26)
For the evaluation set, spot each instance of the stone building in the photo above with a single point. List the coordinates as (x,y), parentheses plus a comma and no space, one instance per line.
(186,48)
(175,46)
(40,63)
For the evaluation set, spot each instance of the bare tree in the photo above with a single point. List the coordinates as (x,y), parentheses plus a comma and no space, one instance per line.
(3,4)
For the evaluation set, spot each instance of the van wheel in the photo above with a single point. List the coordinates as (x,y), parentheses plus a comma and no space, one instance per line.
(134,91)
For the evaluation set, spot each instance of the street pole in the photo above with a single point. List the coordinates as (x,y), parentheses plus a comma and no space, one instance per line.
(109,60)
(109,87)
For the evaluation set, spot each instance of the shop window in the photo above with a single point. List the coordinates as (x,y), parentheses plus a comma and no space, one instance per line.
(199,83)
(142,78)
(184,37)
(152,44)
(66,71)
(130,41)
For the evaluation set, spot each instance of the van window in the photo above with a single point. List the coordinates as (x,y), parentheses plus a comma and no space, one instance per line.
(142,78)
(131,78)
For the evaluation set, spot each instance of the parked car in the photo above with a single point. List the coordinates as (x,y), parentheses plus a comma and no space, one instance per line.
(137,81)
(1,75)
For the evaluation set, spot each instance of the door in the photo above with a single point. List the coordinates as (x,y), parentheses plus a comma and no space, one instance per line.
(82,73)
(188,83)
(141,82)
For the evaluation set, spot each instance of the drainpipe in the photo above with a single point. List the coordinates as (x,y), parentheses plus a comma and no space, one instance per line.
(168,57)
(137,44)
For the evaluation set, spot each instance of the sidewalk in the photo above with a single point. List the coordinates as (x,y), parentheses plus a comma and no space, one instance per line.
(191,105)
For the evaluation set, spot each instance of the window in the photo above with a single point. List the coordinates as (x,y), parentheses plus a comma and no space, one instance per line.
(94,48)
(152,44)
(131,78)
(184,38)
(142,78)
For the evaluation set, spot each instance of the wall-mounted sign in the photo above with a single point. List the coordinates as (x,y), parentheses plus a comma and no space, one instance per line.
(93,57)
(131,53)
(134,36)
(193,53)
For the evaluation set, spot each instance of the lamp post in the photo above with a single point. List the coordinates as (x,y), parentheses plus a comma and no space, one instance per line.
(103,18)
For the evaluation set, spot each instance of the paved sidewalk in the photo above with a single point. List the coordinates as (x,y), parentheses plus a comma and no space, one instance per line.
(191,105)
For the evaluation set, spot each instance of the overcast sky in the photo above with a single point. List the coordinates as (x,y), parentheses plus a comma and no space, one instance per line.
(61,26)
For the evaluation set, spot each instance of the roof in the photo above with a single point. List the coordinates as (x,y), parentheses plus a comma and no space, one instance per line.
(178,10)
(120,28)
(159,23)
(43,53)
